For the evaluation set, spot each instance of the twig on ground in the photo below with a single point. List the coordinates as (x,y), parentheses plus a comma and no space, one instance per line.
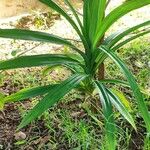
(29,49)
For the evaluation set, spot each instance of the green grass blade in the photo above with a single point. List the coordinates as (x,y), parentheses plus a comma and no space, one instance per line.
(37,60)
(28,93)
(2,102)
(108,117)
(117,13)
(53,96)
(121,108)
(138,95)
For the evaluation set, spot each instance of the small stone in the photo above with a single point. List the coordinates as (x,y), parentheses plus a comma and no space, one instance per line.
(20,136)
(1,146)
(139,64)
(149,64)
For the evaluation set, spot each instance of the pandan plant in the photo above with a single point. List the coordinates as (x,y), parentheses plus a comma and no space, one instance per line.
(85,62)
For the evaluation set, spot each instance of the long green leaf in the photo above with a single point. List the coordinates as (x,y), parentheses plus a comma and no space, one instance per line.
(28,93)
(74,13)
(123,99)
(116,14)
(57,8)
(102,56)
(108,116)
(138,95)
(72,67)
(114,81)
(20,34)
(86,21)
(121,108)
(93,15)
(129,40)
(124,83)
(33,36)
(113,39)
(37,60)
(53,96)
(97,14)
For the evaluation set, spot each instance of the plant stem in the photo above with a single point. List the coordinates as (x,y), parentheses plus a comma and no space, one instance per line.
(101,69)
(101,72)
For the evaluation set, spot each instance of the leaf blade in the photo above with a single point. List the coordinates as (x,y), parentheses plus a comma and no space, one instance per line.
(119,45)
(136,91)
(57,8)
(28,93)
(121,108)
(116,14)
(52,97)
(112,40)
(110,127)
(37,60)
(74,13)
(21,34)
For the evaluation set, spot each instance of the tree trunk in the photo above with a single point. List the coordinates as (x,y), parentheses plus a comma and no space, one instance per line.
(101,72)
(101,69)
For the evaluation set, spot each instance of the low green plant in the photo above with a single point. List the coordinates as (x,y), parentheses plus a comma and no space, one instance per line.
(85,63)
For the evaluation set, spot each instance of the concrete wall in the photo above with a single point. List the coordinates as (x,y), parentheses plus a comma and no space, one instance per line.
(11,8)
